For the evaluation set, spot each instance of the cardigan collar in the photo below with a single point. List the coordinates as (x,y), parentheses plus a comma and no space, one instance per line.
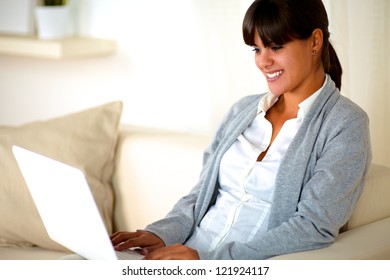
(295,161)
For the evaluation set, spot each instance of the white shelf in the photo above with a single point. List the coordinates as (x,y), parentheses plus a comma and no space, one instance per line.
(72,47)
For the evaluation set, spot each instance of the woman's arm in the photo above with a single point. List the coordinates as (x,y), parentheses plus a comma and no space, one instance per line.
(326,201)
(180,222)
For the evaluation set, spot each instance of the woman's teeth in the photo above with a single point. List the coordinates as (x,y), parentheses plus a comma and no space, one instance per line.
(274,75)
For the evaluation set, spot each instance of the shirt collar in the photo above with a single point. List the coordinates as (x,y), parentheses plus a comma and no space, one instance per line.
(270,99)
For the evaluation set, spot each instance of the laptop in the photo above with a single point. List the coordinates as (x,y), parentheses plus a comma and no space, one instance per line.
(67,207)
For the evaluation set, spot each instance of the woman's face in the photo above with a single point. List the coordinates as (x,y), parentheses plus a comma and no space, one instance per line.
(289,68)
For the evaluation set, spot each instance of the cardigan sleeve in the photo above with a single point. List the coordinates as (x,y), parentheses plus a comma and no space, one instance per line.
(327,198)
(178,225)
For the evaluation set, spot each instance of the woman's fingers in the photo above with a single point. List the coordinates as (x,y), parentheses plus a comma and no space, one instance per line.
(174,252)
(152,246)
(125,240)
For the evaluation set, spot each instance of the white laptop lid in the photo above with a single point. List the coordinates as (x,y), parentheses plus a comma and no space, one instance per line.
(66,205)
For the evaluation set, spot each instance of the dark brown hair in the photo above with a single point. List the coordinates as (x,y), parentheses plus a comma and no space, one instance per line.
(281,21)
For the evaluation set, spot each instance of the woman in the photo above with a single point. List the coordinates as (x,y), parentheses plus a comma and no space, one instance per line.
(285,168)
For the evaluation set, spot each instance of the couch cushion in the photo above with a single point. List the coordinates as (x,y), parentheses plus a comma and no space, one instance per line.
(368,242)
(85,140)
(373,204)
(154,168)
(30,253)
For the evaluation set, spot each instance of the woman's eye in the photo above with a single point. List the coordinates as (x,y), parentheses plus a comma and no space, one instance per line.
(256,50)
(275,48)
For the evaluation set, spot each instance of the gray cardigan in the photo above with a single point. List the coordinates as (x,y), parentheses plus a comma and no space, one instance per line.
(318,183)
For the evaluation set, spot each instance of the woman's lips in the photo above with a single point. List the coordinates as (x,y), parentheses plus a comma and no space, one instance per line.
(274,75)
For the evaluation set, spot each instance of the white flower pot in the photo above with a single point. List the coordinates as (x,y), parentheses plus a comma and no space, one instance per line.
(52,21)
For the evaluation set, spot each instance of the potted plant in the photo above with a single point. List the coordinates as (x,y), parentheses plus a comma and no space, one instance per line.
(54,2)
(52,19)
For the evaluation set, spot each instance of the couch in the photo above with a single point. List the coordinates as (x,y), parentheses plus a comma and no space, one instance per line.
(144,181)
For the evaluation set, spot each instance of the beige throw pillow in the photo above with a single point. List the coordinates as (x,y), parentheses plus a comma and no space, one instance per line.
(85,140)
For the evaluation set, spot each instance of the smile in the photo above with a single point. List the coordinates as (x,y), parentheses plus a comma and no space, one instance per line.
(274,75)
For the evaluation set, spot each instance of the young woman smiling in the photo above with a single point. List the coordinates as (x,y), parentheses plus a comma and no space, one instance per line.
(286,167)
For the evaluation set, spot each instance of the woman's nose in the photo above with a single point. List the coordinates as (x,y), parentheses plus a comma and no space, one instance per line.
(264,60)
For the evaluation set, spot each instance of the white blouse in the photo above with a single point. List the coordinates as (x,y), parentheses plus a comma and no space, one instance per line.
(247,185)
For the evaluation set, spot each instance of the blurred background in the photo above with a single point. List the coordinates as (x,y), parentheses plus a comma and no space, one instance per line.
(180,64)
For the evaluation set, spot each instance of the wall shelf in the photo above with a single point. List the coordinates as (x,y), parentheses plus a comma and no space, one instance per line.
(72,47)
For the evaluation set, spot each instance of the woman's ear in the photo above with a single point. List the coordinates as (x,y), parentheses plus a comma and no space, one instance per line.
(317,40)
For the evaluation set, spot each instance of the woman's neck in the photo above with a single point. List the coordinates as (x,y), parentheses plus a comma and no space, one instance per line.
(288,103)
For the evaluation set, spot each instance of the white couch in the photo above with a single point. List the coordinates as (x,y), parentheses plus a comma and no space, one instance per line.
(147,183)
(136,175)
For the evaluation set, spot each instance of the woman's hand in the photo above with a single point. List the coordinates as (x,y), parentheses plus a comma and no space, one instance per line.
(174,252)
(147,241)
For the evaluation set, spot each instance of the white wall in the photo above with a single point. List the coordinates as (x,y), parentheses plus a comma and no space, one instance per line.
(180,64)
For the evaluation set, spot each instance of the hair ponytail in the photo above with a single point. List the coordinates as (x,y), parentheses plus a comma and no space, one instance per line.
(332,65)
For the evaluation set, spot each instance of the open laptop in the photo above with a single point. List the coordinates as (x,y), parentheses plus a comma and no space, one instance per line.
(67,207)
